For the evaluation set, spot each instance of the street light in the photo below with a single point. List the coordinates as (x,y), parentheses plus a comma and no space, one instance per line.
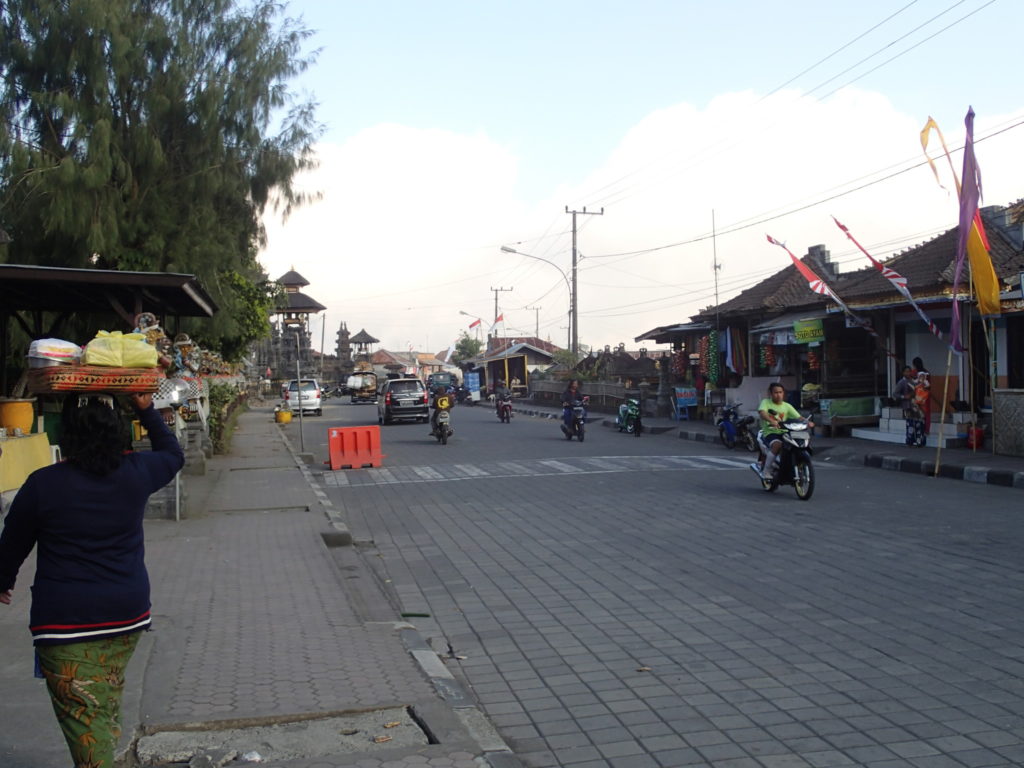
(568,285)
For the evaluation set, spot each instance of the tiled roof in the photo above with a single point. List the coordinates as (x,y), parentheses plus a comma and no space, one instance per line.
(929,267)
(300,302)
(384,356)
(291,277)
(363,338)
(786,289)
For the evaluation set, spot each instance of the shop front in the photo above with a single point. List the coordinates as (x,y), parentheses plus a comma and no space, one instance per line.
(827,363)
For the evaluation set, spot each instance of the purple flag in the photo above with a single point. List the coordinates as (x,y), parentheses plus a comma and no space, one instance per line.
(970,196)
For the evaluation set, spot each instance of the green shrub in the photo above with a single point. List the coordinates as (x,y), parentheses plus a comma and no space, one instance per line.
(223,399)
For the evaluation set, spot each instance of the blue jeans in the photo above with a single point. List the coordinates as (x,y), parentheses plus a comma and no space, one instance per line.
(567,416)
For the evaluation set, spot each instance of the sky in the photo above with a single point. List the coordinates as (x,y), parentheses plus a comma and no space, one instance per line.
(694,129)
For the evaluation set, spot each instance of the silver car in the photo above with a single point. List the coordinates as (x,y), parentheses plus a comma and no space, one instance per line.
(304,393)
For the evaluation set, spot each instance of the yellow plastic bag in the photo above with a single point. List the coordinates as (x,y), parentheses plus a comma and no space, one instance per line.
(120,350)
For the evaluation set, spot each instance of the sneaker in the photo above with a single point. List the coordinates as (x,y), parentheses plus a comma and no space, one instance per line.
(756,467)
(767,474)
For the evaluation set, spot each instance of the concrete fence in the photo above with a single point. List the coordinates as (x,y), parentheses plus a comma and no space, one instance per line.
(605,396)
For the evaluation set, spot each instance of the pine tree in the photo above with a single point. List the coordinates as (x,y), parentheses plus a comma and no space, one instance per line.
(153,135)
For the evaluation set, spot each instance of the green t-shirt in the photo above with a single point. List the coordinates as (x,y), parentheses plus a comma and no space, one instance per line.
(787,411)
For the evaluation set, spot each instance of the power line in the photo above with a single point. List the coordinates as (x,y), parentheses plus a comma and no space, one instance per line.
(791,211)
(726,142)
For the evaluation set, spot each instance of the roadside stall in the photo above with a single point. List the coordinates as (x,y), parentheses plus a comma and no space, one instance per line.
(40,301)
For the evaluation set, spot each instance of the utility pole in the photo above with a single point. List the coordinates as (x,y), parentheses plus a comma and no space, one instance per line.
(536,320)
(496,292)
(574,305)
(717,266)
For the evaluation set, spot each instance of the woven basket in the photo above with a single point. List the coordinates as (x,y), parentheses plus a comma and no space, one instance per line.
(93,378)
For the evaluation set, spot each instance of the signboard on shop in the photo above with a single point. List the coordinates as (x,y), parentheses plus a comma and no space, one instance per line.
(808,331)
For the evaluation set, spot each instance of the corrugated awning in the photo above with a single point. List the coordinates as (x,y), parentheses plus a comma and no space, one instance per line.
(664,334)
(786,321)
(26,287)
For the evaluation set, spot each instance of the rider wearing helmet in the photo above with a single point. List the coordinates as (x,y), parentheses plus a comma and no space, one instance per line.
(441,401)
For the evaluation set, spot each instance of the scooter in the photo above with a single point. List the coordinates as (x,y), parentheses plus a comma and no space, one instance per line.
(442,429)
(793,465)
(505,409)
(628,419)
(579,419)
(733,429)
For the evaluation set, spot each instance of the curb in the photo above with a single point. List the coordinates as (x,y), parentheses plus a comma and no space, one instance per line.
(339,535)
(495,751)
(971,473)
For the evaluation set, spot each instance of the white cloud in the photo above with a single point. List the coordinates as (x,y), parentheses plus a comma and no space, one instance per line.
(408,230)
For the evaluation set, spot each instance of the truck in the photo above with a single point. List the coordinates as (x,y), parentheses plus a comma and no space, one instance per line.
(445,380)
(363,386)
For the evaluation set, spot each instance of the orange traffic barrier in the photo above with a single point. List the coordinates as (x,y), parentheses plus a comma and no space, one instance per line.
(354,447)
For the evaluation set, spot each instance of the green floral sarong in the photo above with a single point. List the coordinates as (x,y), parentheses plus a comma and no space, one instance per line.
(85,681)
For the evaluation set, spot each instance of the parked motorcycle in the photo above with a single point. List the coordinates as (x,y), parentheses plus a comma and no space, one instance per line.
(505,409)
(734,429)
(442,429)
(579,418)
(628,419)
(793,465)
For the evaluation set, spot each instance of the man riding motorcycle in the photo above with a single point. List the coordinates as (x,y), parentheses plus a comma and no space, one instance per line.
(571,394)
(441,401)
(774,410)
(501,392)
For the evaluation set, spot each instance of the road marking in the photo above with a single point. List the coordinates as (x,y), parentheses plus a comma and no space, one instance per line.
(560,466)
(428,473)
(469,470)
(730,463)
(583,465)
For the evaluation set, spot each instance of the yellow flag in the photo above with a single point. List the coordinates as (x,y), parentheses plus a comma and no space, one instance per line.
(986,284)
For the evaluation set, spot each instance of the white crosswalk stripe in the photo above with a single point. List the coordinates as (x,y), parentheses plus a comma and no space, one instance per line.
(440,473)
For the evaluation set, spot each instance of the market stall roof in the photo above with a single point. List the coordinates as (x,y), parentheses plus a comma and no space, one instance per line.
(516,349)
(32,288)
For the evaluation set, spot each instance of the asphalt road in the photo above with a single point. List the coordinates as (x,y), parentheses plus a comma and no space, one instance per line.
(643,602)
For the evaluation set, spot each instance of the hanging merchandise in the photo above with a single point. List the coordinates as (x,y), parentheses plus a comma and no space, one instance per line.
(813,361)
(680,361)
(769,356)
(714,356)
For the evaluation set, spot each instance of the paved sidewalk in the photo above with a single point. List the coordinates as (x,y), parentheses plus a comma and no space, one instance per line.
(265,636)
(955,463)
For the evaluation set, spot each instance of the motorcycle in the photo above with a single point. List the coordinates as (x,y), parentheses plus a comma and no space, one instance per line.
(733,429)
(628,419)
(579,418)
(505,409)
(442,429)
(793,465)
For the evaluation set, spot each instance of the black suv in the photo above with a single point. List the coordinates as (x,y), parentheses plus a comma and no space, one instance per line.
(402,399)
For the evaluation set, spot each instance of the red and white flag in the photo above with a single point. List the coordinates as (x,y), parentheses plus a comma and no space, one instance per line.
(499,319)
(475,323)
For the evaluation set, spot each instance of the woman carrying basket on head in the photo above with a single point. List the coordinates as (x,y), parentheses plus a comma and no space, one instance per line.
(90,596)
